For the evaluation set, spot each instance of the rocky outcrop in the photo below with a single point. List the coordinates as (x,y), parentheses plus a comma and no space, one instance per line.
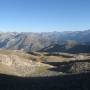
(80,67)
(21,65)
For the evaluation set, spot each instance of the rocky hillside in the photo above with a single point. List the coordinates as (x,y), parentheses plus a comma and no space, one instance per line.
(35,64)
(20,63)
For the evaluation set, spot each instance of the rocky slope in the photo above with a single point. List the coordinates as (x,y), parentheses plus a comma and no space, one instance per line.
(20,63)
(35,64)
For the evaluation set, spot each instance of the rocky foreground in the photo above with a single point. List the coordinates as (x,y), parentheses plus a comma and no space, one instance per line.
(19,63)
(44,71)
(36,64)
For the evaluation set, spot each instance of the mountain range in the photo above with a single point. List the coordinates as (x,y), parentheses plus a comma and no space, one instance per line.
(67,41)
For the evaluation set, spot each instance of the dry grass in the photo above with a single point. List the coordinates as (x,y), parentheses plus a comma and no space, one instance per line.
(4,69)
(35,70)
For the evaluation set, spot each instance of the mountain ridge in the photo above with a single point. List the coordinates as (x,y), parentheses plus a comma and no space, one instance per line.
(29,41)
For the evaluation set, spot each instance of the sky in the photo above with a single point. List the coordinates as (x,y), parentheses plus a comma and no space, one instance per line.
(44,15)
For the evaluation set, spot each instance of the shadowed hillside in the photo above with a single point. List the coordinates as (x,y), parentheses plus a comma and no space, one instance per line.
(75,48)
(70,82)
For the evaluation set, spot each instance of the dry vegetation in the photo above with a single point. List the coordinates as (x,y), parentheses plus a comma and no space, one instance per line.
(15,62)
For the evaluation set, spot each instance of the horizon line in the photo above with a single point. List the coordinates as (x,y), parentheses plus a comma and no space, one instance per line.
(42,31)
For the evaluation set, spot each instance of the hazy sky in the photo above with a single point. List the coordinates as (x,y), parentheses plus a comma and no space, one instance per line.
(44,15)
